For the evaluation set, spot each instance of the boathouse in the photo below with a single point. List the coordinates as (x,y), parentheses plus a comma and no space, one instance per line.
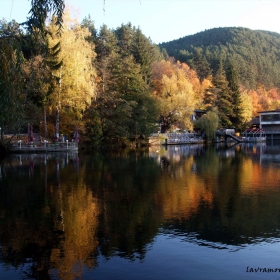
(197,114)
(270,123)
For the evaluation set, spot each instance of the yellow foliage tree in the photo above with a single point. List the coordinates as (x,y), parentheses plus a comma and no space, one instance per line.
(247,107)
(178,90)
(75,78)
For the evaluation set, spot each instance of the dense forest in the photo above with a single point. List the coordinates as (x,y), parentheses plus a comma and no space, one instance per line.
(255,54)
(117,87)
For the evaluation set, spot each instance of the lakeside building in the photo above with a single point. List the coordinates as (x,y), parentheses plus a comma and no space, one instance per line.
(269,122)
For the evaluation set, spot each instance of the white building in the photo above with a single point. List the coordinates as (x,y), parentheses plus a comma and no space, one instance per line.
(270,120)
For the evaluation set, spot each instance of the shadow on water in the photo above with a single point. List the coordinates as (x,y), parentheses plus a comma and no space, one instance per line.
(62,213)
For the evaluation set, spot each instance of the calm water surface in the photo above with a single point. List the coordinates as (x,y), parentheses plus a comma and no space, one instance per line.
(186,212)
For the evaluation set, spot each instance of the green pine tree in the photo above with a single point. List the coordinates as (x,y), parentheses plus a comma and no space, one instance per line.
(232,78)
(222,97)
(201,65)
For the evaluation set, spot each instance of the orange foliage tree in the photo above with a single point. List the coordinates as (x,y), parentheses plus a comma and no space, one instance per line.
(178,92)
(263,99)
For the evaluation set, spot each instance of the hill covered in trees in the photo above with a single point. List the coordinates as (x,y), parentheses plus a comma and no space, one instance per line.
(254,54)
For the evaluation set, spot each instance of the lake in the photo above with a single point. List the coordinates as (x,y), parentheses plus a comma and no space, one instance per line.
(181,212)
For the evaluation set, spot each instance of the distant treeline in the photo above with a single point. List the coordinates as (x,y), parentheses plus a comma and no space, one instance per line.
(255,54)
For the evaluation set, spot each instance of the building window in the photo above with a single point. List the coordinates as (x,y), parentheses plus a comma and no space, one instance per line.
(270,118)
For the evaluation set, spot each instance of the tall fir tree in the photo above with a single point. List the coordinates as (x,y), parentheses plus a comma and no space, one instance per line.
(232,78)
(144,53)
(124,34)
(201,65)
(222,97)
(88,23)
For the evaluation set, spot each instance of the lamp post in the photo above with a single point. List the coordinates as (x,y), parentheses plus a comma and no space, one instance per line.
(19,141)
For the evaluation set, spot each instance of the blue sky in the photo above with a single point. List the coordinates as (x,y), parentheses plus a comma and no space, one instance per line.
(166,20)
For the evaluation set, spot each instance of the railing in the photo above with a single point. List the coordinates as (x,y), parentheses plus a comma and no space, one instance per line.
(254,133)
(180,135)
(272,131)
(44,146)
(59,145)
(176,138)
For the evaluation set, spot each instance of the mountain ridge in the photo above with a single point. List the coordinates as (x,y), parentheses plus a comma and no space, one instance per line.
(255,53)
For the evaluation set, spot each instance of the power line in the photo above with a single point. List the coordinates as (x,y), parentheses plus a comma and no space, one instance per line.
(11,10)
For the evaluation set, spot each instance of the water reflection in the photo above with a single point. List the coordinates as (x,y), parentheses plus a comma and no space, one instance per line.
(223,195)
(271,155)
(62,213)
(47,216)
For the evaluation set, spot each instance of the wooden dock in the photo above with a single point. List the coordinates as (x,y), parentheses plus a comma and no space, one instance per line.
(44,147)
(175,139)
(21,144)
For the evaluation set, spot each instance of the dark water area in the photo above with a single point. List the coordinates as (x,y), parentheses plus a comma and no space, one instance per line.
(185,212)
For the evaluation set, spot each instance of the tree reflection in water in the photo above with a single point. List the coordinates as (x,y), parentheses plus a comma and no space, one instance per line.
(50,215)
(60,213)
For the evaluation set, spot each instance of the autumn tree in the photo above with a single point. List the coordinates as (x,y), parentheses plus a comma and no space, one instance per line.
(246,105)
(75,86)
(178,93)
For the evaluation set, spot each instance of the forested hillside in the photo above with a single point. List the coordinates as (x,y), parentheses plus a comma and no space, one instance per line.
(255,54)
